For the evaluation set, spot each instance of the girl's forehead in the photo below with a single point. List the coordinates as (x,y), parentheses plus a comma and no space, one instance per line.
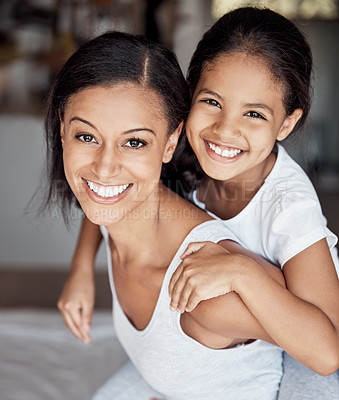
(234,62)
(238,57)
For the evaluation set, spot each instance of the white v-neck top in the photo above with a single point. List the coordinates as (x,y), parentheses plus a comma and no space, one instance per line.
(181,368)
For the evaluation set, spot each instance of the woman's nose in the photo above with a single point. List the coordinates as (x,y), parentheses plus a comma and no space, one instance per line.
(107,162)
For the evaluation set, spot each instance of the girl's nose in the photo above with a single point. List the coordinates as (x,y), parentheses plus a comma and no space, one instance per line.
(226,127)
(107,163)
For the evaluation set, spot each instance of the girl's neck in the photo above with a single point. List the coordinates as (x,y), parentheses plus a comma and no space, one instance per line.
(226,199)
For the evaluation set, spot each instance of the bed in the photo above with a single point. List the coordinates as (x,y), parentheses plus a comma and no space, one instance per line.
(41,360)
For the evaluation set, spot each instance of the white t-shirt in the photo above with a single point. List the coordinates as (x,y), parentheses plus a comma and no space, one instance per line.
(284,217)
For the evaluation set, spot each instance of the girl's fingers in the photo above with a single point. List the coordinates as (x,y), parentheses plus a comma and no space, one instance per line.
(176,293)
(174,279)
(192,302)
(192,248)
(184,297)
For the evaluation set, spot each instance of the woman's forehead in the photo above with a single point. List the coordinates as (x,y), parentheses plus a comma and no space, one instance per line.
(117,104)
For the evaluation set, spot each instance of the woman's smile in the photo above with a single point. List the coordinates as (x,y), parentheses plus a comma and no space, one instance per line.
(106,194)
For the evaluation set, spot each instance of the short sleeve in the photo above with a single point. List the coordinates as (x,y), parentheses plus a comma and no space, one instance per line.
(297,225)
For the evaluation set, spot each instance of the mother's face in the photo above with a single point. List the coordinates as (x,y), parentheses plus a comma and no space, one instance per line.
(115,140)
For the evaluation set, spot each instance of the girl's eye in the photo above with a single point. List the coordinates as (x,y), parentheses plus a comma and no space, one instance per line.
(212,102)
(254,114)
(135,143)
(86,137)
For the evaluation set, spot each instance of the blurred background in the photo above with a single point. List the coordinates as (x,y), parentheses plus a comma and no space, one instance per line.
(37,36)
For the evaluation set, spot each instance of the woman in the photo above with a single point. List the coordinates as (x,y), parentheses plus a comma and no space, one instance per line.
(115,116)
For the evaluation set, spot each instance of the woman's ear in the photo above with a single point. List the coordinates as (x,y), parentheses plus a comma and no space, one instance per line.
(171,144)
(289,124)
(62,130)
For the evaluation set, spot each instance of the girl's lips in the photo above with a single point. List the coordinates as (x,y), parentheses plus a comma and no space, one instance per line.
(106,200)
(227,155)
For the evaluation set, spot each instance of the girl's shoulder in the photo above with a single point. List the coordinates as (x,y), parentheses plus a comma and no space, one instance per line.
(287,170)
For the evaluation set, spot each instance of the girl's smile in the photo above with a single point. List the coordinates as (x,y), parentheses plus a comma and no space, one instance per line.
(222,154)
(237,115)
(115,140)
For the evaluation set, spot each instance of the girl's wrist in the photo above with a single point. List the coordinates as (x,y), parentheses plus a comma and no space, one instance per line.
(247,271)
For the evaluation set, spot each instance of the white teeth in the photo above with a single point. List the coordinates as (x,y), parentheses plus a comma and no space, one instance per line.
(101,191)
(106,191)
(224,153)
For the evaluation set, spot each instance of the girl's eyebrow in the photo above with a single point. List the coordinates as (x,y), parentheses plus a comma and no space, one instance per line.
(134,130)
(211,93)
(259,105)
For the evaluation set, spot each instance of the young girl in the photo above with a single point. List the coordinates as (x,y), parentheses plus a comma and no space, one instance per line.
(250,85)
(115,114)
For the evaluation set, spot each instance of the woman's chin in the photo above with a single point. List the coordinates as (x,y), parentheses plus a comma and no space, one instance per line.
(109,216)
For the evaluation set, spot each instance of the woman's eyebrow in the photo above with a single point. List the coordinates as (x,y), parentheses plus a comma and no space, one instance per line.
(83,121)
(133,130)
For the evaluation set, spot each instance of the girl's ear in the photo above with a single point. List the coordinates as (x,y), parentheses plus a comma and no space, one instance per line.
(289,124)
(172,144)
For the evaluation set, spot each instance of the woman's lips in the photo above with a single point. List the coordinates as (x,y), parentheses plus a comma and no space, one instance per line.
(106,194)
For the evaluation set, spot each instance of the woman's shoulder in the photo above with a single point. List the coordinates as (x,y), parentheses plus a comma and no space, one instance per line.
(182,211)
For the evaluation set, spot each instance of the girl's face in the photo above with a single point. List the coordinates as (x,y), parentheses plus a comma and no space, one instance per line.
(237,115)
(115,140)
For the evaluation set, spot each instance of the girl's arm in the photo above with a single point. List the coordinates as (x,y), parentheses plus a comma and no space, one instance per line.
(76,301)
(302,319)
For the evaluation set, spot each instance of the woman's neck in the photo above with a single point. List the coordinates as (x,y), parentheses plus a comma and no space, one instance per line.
(154,231)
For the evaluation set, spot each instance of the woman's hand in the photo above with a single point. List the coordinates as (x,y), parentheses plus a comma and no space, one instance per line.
(203,274)
(76,304)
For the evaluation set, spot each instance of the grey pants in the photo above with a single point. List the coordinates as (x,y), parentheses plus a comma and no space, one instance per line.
(300,383)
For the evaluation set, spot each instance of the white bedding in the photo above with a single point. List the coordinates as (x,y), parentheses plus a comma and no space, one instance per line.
(41,360)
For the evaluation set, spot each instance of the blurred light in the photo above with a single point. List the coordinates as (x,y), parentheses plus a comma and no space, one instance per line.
(303,9)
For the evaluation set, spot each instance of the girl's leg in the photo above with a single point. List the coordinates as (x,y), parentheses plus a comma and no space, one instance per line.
(300,383)
(126,384)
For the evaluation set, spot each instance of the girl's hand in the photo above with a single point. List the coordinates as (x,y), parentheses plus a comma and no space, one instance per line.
(76,304)
(201,275)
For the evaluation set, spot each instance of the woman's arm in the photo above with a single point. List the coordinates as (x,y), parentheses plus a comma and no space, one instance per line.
(303,319)
(76,301)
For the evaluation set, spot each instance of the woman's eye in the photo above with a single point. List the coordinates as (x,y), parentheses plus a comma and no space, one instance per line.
(212,102)
(135,143)
(254,114)
(85,137)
